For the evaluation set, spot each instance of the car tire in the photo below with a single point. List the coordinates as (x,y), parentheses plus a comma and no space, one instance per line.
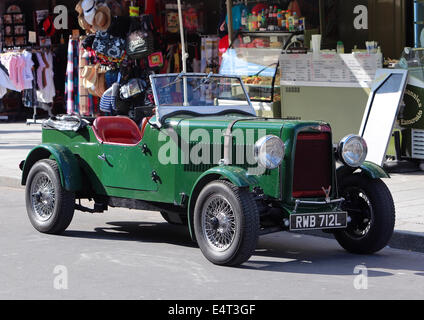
(226,223)
(49,206)
(370,206)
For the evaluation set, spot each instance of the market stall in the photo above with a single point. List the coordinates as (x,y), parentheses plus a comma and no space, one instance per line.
(259,34)
(103,58)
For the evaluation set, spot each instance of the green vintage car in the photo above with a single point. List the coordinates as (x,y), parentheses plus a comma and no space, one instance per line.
(203,159)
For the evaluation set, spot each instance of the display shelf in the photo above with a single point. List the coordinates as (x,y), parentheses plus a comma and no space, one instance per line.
(255,57)
(272,33)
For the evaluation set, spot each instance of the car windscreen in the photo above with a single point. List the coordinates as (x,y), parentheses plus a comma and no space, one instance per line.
(199,91)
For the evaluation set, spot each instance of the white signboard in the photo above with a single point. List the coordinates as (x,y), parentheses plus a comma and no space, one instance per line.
(381,112)
(329,70)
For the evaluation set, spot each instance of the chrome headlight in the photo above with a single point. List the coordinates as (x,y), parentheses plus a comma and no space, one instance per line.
(353,151)
(269,152)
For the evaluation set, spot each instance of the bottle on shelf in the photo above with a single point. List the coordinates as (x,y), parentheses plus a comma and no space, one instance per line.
(340,47)
(244,24)
(254,21)
(291,23)
(280,19)
(288,14)
(264,20)
(302,24)
(295,21)
(259,18)
(284,21)
(275,18)
(249,23)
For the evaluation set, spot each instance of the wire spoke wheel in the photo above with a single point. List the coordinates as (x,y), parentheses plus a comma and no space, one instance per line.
(218,223)
(43,197)
(370,206)
(226,223)
(49,206)
(359,208)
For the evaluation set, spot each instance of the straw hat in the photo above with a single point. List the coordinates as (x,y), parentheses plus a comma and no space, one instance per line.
(94,80)
(89,76)
(89,10)
(81,21)
(102,18)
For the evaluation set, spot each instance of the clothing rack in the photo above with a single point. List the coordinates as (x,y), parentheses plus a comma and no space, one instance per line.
(31,49)
(34,116)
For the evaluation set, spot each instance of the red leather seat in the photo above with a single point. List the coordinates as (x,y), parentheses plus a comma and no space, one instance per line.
(117,130)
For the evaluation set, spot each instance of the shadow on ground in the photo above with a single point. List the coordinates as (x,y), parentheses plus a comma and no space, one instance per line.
(280,252)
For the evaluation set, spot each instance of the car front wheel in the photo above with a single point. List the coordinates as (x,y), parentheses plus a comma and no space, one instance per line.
(370,206)
(49,206)
(226,223)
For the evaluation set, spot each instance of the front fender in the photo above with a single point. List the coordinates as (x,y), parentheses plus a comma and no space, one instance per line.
(70,173)
(235,175)
(369,169)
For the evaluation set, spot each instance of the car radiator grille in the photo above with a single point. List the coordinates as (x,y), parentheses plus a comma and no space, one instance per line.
(313,165)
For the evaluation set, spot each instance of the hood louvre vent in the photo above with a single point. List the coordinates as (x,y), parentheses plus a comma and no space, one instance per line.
(239,158)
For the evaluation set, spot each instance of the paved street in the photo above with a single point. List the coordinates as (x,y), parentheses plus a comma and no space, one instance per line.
(125,254)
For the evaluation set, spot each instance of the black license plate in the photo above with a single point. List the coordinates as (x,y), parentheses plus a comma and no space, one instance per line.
(318,221)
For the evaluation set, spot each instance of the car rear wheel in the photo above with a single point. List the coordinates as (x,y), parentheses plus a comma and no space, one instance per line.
(49,206)
(226,223)
(370,206)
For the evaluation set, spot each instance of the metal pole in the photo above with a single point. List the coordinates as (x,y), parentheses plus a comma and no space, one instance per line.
(230,21)
(183,47)
(321,17)
(183,53)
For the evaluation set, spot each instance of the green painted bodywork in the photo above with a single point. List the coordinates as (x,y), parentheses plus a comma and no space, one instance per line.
(374,171)
(235,175)
(70,173)
(126,171)
(369,169)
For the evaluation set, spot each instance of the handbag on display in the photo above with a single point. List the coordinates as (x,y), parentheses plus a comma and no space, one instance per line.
(132,89)
(131,94)
(109,46)
(140,39)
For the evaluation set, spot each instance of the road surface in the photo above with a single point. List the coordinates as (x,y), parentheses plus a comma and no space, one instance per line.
(125,254)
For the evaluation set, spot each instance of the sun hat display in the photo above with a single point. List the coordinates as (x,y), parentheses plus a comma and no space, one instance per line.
(88,75)
(102,18)
(81,20)
(93,79)
(89,10)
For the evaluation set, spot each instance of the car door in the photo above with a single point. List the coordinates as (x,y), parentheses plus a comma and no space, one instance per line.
(126,167)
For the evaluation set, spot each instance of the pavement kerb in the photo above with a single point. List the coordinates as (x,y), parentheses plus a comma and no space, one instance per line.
(11,182)
(403,240)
